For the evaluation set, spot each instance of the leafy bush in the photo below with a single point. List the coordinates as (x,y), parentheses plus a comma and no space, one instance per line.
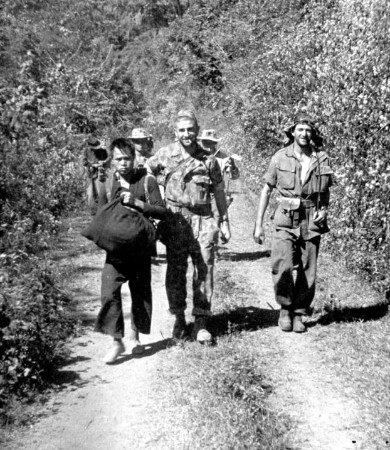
(333,64)
(53,94)
(36,323)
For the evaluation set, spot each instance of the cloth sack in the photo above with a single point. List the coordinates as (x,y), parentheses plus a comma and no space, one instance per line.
(121,230)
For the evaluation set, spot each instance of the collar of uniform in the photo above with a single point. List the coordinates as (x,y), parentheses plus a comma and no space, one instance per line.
(290,152)
(180,150)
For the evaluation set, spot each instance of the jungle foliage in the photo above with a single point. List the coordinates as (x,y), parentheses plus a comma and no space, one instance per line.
(69,69)
(248,67)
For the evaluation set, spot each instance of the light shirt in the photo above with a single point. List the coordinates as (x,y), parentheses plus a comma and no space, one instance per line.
(305,164)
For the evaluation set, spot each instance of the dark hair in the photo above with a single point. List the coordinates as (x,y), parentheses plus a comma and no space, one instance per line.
(123,144)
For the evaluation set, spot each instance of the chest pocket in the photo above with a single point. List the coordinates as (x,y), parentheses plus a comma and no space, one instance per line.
(189,187)
(321,179)
(286,175)
(199,189)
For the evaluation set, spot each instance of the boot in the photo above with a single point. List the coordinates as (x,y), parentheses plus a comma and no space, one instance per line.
(298,325)
(285,322)
(179,327)
(200,330)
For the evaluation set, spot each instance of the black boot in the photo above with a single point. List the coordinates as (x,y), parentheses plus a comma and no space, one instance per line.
(179,327)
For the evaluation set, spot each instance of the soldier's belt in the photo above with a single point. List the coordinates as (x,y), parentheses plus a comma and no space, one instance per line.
(203,210)
(294,203)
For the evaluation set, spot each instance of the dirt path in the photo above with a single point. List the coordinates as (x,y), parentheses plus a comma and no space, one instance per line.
(100,406)
(305,389)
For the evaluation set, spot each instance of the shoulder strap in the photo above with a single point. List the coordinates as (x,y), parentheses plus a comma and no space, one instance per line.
(147,196)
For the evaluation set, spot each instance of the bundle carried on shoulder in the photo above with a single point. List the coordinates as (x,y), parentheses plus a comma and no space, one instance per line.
(121,230)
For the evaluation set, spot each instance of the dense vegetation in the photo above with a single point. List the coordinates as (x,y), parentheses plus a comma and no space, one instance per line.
(72,68)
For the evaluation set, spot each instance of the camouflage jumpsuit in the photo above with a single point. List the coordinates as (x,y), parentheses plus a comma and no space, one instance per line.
(190,229)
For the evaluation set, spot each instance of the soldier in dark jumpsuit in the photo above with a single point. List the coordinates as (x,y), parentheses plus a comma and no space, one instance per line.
(301,174)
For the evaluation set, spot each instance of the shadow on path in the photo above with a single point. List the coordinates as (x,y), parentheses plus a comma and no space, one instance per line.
(150,349)
(249,318)
(351,314)
(244,256)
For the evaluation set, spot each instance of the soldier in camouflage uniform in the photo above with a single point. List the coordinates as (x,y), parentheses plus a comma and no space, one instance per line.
(209,140)
(190,176)
(143,144)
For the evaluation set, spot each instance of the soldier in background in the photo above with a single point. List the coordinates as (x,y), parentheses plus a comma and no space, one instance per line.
(96,161)
(191,176)
(143,144)
(209,141)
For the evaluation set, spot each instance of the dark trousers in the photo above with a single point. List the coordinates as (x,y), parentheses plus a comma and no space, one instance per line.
(137,271)
(288,251)
(96,190)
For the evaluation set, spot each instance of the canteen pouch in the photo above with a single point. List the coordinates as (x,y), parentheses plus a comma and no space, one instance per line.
(287,213)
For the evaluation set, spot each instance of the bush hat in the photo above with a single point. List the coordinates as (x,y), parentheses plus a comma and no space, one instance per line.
(94,143)
(139,133)
(209,135)
(309,120)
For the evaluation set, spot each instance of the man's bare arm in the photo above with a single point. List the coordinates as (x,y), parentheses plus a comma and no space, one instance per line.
(259,233)
(220,200)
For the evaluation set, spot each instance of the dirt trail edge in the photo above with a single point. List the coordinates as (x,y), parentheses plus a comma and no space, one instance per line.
(101,406)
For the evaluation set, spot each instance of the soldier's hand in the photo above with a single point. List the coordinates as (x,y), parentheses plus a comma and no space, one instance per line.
(127,198)
(225,232)
(259,234)
(229,165)
(319,217)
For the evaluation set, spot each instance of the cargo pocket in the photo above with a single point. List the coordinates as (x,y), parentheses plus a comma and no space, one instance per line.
(177,190)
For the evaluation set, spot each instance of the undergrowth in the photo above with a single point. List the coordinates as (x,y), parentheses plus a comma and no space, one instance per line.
(36,321)
(219,393)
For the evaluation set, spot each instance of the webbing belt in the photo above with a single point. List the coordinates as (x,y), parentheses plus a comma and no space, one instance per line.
(203,210)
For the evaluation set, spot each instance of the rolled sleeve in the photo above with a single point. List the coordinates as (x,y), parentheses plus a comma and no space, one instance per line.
(270,176)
